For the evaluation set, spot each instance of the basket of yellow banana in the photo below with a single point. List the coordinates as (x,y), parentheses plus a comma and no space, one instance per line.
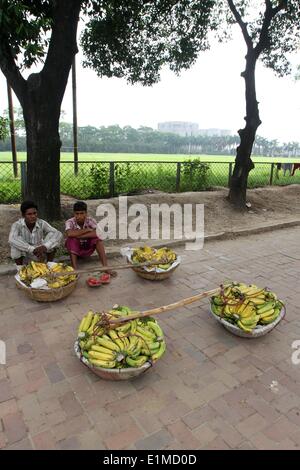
(165,259)
(41,281)
(120,353)
(247,310)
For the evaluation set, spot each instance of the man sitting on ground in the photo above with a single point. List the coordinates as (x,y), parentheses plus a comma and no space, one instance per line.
(32,238)
(82,239)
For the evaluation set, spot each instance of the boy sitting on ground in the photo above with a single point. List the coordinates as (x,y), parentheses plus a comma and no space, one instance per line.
(82,239)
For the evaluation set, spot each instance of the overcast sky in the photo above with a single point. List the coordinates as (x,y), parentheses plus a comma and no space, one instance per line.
(211,94)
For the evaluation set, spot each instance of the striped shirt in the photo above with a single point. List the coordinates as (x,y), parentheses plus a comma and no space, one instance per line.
(24,240)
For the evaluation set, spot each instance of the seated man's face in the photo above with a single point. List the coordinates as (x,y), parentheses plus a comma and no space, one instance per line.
(80,216)
(30,216)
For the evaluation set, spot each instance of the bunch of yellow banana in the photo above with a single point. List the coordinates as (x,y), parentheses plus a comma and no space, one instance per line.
(32,271)
(129,345)
(36,270)
(60,281)
(246,305)
(164,255)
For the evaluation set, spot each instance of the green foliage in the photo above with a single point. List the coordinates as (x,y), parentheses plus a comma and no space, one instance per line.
(195,175)
(133,39)
(4,123)
(99,174)
(24,26)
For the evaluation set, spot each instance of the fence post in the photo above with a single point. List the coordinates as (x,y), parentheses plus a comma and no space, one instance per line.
(111,179)
(271,175)
(23,180)
(178,177)
(229,174)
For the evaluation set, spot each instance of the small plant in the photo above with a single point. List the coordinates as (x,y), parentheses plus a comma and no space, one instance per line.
(4,122)
(99,174)
(195,175)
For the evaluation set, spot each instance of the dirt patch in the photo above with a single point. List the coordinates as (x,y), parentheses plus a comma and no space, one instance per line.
(271,204)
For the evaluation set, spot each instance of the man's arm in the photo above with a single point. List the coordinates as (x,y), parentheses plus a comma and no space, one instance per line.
(17,241)
(78,233)
(52,237)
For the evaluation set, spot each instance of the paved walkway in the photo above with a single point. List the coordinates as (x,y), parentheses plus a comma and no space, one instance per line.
(211,390)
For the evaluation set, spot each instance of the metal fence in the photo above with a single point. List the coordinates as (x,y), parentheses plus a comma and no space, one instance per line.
(92,180)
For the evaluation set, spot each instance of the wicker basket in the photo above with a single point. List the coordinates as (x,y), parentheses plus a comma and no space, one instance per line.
(259,330)
(112,374)
(154,275)
(47,295)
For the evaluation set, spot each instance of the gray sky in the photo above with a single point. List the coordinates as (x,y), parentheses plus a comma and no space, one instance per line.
(211,94)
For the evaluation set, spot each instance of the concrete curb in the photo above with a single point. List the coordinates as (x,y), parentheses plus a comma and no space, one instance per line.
(113,252)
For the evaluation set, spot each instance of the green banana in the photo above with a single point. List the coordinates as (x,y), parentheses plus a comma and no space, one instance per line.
(138,362)
(266,307)
(160,352)
(155,328)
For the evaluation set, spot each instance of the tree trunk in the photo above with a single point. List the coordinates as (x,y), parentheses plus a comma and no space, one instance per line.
(243,163)
(41,96)
(41,115)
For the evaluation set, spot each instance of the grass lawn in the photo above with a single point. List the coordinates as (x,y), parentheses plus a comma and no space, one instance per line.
(145,171)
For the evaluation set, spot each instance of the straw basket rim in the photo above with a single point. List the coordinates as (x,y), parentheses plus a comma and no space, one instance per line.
(257,332)
(154,275)
(112,374)
(48,295)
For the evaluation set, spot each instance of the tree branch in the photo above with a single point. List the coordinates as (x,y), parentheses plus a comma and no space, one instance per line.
(12,73)
(62,46)
(269,14)
(241,23)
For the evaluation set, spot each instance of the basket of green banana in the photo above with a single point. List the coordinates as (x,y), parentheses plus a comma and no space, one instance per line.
(119,353)
(165,259)
(38,282)
(247,310)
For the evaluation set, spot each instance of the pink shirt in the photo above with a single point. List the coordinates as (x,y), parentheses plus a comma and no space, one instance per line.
(89,222)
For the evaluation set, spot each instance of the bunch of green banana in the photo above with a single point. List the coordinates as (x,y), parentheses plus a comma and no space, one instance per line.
(246,305)
(129,345)
(165,256)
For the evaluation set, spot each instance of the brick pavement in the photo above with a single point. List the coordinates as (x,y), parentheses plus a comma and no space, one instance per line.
(211,390)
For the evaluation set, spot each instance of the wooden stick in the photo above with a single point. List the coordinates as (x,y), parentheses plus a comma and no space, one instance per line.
(166,308)
(104,268)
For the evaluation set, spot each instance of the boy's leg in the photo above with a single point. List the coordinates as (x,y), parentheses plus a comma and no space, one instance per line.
(102,256)
(101,252)
(73,260)
(19,261)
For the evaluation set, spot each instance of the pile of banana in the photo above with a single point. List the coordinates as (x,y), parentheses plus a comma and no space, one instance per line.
(36,270)
(164,255)
(129,345)
(246,305)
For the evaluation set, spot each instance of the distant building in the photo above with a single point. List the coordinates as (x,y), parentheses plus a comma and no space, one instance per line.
(189,128)
(179,127)
(218,132)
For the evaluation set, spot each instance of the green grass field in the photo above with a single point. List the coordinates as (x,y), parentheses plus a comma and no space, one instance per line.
(148,157)
(144,171)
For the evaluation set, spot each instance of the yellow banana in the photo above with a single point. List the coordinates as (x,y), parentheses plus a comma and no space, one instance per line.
(103,364)
(102,356)
(108,343)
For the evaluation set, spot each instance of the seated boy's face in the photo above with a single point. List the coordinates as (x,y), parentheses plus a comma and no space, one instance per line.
(80,216)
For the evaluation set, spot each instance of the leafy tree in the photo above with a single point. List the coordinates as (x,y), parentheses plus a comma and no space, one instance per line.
(131,39)
(270,36)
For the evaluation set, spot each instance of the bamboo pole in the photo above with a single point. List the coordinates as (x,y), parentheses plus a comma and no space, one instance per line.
(105,269)
(166,308)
